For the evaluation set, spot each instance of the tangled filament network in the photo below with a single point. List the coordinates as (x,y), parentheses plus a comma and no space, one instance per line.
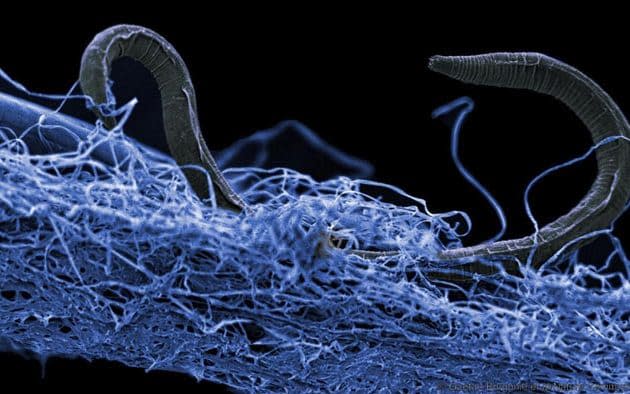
(124,262)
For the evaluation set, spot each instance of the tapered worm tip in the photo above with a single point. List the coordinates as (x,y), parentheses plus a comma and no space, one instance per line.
(441,64)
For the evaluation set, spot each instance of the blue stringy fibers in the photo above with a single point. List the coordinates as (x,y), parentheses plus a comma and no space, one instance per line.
(125,263)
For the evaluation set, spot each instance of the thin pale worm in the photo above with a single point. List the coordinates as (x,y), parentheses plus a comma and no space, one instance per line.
(179,106)
(605,200)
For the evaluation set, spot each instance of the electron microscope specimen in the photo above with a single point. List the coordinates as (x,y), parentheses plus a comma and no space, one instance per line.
(269,281)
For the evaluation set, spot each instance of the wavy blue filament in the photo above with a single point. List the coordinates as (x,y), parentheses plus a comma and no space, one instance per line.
(314,153)
(119,260)
(460,117)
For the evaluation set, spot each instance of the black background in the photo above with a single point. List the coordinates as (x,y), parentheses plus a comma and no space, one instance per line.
(360,81)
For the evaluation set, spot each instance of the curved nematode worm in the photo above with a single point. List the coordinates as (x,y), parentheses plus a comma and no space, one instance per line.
(606,199)
(597,210)
(179,105)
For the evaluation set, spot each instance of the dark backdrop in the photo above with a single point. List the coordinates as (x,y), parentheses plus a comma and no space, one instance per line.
(359,81)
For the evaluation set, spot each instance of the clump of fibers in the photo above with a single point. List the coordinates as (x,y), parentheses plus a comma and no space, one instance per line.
(125,263)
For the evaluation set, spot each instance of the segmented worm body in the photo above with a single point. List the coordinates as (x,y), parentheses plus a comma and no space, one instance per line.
(179,106)
(610,190)
(597,210)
